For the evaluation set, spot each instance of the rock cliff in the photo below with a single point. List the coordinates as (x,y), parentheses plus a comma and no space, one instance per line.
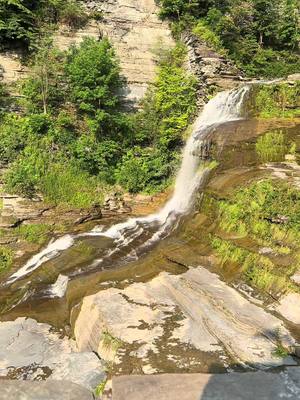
(134,29)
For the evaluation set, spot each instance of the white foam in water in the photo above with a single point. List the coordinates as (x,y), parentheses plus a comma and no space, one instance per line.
(58,289)
(52,250)
(224,107)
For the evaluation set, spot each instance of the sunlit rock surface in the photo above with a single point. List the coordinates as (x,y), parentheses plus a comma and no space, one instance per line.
(59,390)
(135,30)
(33,351)
(178,318)
(235,386)
(289,307)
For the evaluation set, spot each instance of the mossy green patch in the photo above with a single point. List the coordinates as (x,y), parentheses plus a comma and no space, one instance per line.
(34,233)
(267,213)
(6,259)
(273,146)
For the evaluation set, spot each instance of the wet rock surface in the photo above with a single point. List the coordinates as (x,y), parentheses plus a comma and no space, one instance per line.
(234,386)
(33,351)
(58,390)
(146,323)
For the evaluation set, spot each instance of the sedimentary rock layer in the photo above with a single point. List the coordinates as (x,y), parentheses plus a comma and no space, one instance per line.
(193,310)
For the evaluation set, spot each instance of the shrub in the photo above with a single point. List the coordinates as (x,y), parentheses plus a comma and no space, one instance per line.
(70,187)
(204,32)
(144,170)
(13,137)
(72,14)
(93,73)
(25,173)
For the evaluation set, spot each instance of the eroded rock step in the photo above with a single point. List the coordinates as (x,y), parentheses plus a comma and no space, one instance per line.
(174,322)
(235,386)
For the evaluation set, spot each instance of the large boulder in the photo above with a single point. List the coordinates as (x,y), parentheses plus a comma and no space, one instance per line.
(33,351)
(171,322)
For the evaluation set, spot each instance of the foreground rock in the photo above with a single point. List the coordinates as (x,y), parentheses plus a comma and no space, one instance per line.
(289,307)
(59,390)
(171,322)
(234,386)
(32,351)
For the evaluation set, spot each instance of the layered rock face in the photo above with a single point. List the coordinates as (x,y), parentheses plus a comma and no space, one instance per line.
(135,31)
(167,325)
(213,71)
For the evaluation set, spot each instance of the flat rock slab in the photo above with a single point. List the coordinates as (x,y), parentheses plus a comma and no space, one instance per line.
(234,386)
(33,351)
(289,307)
(171,323)
(60,390)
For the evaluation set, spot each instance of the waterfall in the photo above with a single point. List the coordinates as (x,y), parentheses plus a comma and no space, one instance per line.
(224,107)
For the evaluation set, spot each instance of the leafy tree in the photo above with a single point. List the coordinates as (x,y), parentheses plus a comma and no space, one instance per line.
(94,79)
(177,8)
(44,90)
(23,22)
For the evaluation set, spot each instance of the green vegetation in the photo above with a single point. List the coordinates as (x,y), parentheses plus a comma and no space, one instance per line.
(167,111)
(281,351)
(6,258)
(110,343)
(261,36)
(24,22)
(203,31)
(73,140)
(267,213)
(273,146)
(263,209)
(34,233)
(100,389)
(277,100)
(258,270)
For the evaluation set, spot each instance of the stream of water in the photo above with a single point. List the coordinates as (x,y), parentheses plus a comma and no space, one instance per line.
(129,239)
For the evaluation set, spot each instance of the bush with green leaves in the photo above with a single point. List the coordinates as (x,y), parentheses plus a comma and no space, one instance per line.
(23,22)
(93,75)
(146,170)
(25,173)
(261,36)
(13,137)
(68,186)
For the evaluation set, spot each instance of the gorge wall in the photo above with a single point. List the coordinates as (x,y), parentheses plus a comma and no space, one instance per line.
(134,29)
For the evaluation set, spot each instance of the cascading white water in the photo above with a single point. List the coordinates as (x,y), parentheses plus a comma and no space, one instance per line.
(224,107)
